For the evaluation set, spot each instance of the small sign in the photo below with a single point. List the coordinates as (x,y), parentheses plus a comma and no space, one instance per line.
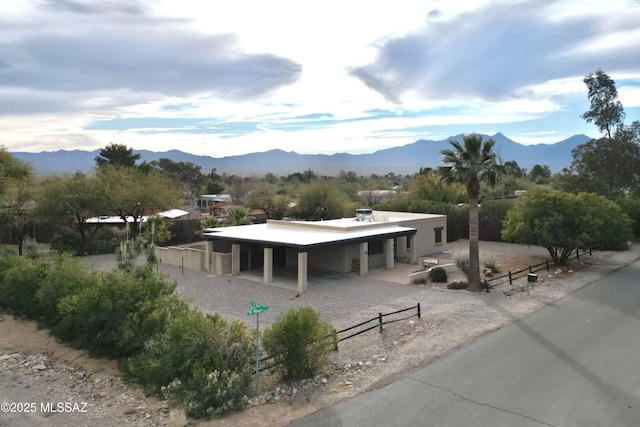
(257,309)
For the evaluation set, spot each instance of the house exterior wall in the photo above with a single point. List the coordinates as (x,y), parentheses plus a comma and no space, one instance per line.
(330,258)
(425,238)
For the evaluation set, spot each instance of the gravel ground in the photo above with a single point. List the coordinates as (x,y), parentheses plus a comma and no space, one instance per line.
(449,319)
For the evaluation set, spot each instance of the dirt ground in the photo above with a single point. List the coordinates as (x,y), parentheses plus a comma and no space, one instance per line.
(451,319)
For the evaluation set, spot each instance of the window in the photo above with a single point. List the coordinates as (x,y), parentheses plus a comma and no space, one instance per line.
(438,232)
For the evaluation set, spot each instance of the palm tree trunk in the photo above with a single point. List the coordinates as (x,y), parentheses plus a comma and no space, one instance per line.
(474,245)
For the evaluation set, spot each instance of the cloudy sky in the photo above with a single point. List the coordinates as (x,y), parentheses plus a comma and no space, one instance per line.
(225,78)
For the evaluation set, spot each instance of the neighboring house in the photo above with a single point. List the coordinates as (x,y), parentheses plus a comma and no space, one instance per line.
(207,202)
(371,239)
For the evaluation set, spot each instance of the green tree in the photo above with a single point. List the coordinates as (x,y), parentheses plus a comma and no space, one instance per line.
(263,198)
(118,155)
(470,164)
(189,175)
(563,222)
(323,199)
(237,215)
(607,166)
(70,202)
(606,111)
(426,185)
(16,192)
(539,172)
(155,230)
(131,193)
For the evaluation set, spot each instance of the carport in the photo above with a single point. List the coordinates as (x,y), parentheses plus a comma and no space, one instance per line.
(326,240)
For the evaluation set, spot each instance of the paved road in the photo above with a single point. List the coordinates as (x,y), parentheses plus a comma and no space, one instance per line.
(573,363)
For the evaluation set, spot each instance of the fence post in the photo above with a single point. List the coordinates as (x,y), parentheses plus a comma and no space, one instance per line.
(380,321)
(510,279)
(418,310)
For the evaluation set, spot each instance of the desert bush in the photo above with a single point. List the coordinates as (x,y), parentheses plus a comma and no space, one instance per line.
(299,343)
(64,276)
(116,315)
(458,285)
(438,275)
(462,261)
(19,281)
(495,268)
(208,393)
(199,361)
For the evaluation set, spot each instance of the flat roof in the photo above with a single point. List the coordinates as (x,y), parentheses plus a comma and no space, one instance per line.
(305,234)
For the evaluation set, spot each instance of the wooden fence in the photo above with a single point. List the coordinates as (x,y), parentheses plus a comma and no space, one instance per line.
(546,265)
(378,322)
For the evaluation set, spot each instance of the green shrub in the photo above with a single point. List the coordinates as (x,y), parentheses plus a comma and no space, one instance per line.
(299,343)
(199,361)
(495,268)
(438,275)
(208,393)
(117,314)
(19,281)
(64,277)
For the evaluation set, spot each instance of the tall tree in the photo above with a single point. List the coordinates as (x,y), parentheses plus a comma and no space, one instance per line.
(16,188)
(470,164)
(608,165)
(563,222)
(323,199)
(606,111)
(132,193)
(118,155)
(68,202)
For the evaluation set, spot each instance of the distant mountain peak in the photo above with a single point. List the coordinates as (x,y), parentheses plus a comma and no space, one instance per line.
(406,159)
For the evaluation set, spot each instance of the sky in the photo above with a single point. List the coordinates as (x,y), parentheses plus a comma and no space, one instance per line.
(228,78)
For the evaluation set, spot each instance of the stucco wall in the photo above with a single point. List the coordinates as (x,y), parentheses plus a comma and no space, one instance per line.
(192,257)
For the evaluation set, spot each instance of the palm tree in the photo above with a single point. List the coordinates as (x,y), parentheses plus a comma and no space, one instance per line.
(470,165)
(237,215)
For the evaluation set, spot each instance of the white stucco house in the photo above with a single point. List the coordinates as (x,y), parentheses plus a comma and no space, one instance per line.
(370,239)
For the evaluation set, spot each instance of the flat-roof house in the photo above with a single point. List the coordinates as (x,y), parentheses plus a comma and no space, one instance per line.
(371,239)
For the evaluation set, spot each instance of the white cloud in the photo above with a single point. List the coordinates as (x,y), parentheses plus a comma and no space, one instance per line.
(229,78)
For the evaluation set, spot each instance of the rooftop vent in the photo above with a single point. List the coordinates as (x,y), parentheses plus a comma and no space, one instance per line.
(364,215)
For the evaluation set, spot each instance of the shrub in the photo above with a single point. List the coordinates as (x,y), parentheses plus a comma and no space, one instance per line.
(299,343)
(117,313)
(198,361)
(207,393)
(438,275)
(64,276)
(495,268)
(457,285)
(462,261)
(19,281)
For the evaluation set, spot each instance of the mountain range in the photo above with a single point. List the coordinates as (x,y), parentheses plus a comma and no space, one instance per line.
(406,159)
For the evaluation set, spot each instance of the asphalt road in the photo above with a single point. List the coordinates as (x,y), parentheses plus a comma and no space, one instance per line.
(574,363)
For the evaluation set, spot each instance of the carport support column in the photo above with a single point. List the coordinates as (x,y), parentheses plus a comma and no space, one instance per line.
(413,251)
(235,259)
(267,274)
(302,272)
(388,253)
(208,248)
(364,258)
